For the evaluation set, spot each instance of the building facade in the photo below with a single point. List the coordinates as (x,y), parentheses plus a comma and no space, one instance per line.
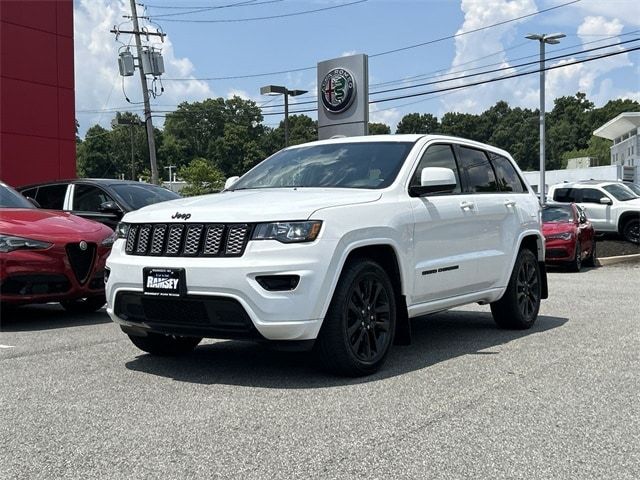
(624,131)
(37,109)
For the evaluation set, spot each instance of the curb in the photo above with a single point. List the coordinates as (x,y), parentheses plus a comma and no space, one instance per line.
(621,259)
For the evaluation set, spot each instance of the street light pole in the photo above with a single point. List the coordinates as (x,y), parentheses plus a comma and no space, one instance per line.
(543,39)
(280,90)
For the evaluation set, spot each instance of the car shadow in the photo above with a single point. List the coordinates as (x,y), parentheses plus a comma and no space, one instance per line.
(436,338)
(46,317)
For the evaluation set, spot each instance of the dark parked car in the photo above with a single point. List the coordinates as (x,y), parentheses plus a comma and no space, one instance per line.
(103,200)
(48,256)
(570,237)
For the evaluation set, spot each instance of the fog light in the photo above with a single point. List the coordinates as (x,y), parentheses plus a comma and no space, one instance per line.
(278,283)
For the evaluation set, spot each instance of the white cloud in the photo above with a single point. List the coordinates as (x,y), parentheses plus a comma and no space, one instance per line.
(593,78)
(98,85)
(388,116)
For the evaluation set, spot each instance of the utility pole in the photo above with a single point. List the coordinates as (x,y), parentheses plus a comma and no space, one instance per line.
(145,94)
(170,168)
(143,81)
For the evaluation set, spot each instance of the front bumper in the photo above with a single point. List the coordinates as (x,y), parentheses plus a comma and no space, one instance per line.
(41,276)
(558,250)
(251,310)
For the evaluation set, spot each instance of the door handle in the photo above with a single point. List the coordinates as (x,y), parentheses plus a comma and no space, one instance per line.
(464,205)
(509,203)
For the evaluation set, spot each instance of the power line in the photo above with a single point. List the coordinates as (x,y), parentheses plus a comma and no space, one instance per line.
(189,7)
(270,17)
(429,42)
(244,3)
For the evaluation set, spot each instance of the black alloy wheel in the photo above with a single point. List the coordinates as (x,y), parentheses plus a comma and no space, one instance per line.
(631,230)
(368,319)
(358,329)
(518,308)
(576,264)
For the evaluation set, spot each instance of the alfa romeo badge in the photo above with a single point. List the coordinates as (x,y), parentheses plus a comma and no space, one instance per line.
(338,90)
(83,245)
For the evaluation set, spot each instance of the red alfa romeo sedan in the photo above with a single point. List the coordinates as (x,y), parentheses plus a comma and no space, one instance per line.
(570,237)
(48,256)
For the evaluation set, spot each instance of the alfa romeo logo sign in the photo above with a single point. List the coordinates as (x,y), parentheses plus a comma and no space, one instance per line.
(338,90)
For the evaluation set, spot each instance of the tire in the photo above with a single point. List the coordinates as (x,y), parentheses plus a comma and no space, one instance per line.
(518,308)
(84,305)
(592,261)
(631,230)
(576,264)
(358,330)
(165,345)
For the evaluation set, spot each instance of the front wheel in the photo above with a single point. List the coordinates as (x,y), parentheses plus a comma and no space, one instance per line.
(518,308)
(631,230)
(165,345)
(358,329)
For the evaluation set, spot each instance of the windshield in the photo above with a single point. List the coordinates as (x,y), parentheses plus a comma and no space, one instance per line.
(621,192)
(557,214)
(634,188)
(9,198)
(143,194)
(336,165)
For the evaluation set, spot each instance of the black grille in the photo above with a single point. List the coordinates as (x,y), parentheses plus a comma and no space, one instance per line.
(216,317)
(34,285)
(81,260)
(188,239)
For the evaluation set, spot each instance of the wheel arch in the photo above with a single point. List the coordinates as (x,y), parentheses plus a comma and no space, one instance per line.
(624,218)
(534,242)
(386,255)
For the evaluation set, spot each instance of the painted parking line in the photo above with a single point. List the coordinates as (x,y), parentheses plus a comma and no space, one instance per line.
(7,346)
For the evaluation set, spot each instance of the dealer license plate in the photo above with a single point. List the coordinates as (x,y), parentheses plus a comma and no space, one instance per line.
(166,282)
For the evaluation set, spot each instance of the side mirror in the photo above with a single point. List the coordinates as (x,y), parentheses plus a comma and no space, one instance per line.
(434,180)
(33,202)
(605,201)
(110,207)
(230,181)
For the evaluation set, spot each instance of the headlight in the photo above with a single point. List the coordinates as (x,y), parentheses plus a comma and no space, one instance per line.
(288,232)
(122,229)
(560,236)
(9,243)
(107,242)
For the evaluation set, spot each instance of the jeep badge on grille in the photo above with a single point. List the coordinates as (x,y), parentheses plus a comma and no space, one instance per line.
(181,216)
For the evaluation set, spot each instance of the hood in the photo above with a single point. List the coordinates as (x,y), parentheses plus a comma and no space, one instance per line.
(49,225)
(249,206)
(550,228)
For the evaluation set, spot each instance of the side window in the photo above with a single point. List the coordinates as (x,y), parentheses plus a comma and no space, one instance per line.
(565,195)
(507,176)
(87,198)
(52,196)
(477,170)
(437,156)
(591,195)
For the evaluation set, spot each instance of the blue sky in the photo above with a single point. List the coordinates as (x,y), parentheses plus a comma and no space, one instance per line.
(195,51)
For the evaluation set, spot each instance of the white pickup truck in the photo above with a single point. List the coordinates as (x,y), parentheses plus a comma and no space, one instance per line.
(334,245)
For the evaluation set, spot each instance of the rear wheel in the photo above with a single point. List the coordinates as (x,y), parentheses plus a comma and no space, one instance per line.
(518,308)
(358,330)
(576,264)
(631,230)
(165,345)
(84,305)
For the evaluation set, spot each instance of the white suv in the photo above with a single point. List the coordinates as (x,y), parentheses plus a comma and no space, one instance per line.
(334,244)
(610,206)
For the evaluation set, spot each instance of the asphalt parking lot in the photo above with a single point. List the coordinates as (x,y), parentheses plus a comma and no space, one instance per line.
(465,400)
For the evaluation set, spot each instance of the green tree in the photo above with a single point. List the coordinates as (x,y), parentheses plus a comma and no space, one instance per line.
(379,129)
(598,148)
(418,123)
(93,154)
(202,178)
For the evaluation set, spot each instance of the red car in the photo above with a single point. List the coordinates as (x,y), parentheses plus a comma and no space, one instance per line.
(48,256)
(570,237)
